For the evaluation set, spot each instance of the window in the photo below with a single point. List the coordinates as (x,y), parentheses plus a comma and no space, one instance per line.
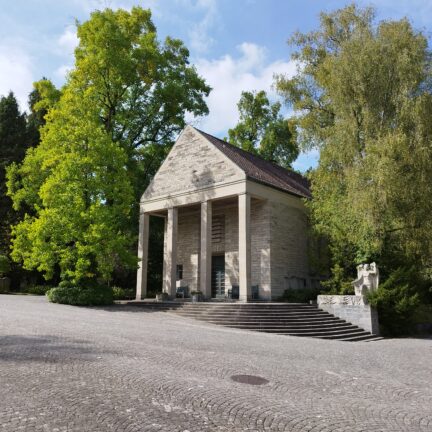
(179,272)
(218,229)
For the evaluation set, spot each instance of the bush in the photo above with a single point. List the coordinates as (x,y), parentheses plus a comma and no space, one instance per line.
(81,296)
(122,293)
(37,289)
(4,265)
(300,295)
(339,283)
(397,300)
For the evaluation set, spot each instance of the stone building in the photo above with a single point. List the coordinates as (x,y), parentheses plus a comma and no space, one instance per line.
(235,224)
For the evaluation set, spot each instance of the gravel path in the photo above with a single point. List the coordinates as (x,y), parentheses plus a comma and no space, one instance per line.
(65,368)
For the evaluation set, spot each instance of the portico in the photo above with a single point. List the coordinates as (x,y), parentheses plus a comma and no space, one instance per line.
(219,222)
(203,271)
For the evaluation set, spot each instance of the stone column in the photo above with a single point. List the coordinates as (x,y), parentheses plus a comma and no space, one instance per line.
(171,252)
(206,248)
(244,203)
(143,238)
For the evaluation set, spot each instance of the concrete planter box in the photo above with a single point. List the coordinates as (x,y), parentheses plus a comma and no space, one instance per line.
(161,297)
(197,298)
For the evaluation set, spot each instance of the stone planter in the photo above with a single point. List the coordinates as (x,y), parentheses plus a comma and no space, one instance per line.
(4,284)
(197,298)
(161,297)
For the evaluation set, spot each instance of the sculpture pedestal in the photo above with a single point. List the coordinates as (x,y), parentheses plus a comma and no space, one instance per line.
(351,308)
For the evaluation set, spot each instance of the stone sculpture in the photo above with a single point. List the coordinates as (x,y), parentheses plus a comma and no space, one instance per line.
(367,279)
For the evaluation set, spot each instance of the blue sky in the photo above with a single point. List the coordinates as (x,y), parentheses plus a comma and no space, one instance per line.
(235,44)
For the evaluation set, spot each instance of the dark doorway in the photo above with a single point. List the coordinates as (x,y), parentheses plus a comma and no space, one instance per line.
(218,276)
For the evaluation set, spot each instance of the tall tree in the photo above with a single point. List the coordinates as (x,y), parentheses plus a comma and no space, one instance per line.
(43,97)
(362,95)
(12,149)
(113,124)
(263,131)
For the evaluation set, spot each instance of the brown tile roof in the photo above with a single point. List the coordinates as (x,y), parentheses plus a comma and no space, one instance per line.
(262,171)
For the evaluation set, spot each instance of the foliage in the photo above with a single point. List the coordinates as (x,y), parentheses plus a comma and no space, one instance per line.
(398,298)
(13,135)
(4,265)
(339,282)
(144,87)
(37,289)
(105,135)
(122,293)
(263,131)
(76,184)
(43,97)
(95,295)
(303,295)
(363,98)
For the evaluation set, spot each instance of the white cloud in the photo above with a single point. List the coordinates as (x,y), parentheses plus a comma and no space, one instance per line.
(229,76)
(62,71)
(16,73)
(200,39)
(68,41)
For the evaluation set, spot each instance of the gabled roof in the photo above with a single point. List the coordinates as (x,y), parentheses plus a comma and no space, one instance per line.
(262,171)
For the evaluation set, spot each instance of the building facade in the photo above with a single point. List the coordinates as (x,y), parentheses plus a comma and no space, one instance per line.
(235,224)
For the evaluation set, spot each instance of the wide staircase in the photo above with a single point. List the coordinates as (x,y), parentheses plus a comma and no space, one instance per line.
(293,319)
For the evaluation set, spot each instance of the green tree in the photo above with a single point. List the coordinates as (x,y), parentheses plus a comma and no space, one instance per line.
(263,131)
(362,95)
(76,184)
(144,87)
(13,138)
(106,133)
(43,96)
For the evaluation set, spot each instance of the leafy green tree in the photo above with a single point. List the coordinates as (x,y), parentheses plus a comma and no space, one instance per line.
(263,131)
(144,87)
(12,149)
(76,184)
(106,133)
(362,95)
(43,96)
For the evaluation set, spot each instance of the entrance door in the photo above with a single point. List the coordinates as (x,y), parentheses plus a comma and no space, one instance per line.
(218,276)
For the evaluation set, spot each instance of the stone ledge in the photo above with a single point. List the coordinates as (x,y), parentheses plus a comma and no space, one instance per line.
(353,309)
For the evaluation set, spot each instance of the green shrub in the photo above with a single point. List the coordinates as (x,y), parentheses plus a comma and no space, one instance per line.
(81,296)
(122,293)
(397,299)
(4,265)
(37,289)
(300,295)
(339,283)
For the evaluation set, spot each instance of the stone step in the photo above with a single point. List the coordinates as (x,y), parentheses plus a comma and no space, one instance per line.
(293,319)
(262,325)
(340,331)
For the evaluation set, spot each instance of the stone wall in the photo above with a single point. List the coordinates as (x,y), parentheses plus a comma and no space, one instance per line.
(188,245)
(352,309)
(230,244)
(184,171)
(260,247)
(288,244)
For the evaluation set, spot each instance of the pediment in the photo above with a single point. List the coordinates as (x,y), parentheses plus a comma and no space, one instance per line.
(193,164)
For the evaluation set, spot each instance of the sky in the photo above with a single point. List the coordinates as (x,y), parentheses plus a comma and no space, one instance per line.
(236,45)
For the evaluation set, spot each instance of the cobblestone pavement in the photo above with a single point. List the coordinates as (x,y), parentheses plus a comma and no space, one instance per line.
(64,368)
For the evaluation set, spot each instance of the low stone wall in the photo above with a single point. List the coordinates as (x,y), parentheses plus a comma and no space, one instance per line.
(353,309)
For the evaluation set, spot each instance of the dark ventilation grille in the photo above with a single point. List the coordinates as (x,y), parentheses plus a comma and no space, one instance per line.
(218,229)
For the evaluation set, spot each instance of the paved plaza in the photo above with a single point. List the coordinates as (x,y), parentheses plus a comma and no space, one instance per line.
(64,368)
